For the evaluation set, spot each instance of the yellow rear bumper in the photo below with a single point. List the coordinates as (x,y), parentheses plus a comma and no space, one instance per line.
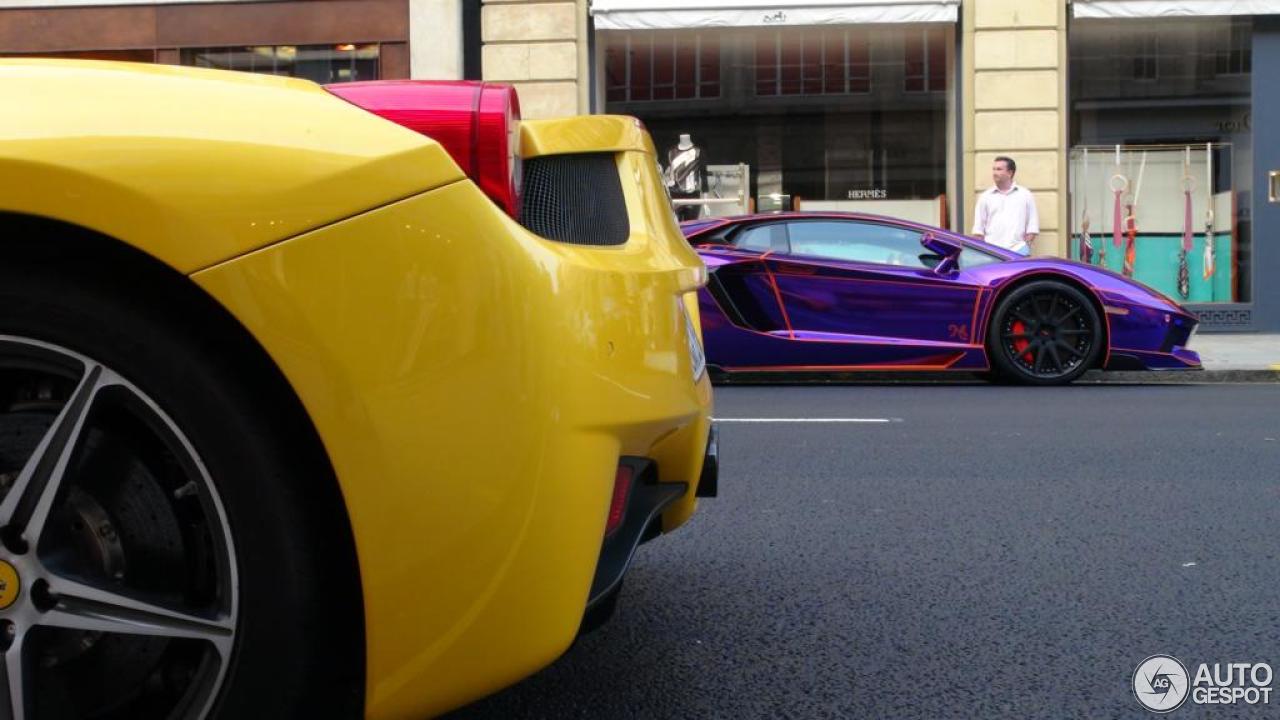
(474,386)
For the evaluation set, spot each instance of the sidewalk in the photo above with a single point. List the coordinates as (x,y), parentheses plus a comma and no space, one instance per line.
(1227,357)
(1237,351)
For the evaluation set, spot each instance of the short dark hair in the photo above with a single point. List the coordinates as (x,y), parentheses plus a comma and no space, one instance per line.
(1009,163)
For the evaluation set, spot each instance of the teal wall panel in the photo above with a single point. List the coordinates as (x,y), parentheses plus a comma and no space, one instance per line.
(1156,264)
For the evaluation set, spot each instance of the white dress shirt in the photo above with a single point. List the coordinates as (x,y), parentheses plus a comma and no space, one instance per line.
(1006,218)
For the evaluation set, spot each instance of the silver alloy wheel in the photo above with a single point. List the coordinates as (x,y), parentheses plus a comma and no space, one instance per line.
(79,597)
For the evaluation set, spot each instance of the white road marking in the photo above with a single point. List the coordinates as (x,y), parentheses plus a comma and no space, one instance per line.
(807,420)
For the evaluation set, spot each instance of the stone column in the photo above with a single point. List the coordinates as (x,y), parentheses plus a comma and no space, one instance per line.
(540,47)
(435,39)
(1014,76)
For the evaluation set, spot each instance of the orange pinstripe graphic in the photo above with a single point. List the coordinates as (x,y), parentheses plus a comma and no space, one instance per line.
(877,368)
(968,288)
(777,294)
(939,345)
(1148,352)
(974,332)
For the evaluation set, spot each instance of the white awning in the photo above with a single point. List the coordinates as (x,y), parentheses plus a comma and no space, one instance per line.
(1171,8)
(675,14)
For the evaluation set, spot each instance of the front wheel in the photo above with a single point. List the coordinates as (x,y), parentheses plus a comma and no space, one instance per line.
(1044,333)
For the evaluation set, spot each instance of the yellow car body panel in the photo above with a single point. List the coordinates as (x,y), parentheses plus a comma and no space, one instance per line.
(197,166)
(473,384)
(605,133)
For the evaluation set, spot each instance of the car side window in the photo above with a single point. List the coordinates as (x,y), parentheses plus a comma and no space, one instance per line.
(762,238)
(858,242)
(970,258)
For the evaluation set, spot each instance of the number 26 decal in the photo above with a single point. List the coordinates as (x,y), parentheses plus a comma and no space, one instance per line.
(958,332)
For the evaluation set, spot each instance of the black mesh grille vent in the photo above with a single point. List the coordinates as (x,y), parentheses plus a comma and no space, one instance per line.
(575,199)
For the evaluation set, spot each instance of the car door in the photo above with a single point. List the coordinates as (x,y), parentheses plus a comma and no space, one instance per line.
(872,284)
(745,288)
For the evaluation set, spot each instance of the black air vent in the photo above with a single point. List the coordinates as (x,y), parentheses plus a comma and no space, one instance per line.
(575,199)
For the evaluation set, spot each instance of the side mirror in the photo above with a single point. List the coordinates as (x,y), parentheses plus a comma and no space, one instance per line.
(949,252)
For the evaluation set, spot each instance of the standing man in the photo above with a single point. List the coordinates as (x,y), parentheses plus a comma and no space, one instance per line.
(1006,214)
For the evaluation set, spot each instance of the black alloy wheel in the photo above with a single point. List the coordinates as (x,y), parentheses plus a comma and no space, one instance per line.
(1044,333)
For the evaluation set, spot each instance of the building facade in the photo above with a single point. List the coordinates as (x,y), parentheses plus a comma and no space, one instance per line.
(1154,111)
(1143,127)
(323,40)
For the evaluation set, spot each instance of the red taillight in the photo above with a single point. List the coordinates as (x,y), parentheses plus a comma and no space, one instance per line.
(478,123)
(500,173)
(621,491)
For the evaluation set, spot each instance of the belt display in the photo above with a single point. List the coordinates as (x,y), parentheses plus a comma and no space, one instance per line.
(1184,272)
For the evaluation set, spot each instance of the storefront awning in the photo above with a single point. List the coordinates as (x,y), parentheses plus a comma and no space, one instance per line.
(1171,8)
(674,14)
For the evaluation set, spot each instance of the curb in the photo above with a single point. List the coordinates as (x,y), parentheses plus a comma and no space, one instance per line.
(1093,377)
(1232,375)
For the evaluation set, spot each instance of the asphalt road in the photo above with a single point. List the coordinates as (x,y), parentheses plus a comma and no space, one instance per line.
(988,552)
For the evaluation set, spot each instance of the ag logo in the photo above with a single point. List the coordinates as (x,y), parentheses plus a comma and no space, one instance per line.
(1161,683)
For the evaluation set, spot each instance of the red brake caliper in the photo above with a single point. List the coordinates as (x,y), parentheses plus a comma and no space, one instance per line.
(1020,344)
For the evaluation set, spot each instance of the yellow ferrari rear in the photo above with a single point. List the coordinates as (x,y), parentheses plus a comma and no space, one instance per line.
(496,408)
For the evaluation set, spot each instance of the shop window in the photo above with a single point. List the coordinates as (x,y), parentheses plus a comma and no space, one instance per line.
(815,118)
(1146,61)
(812,62)
(924,59)
(1233,55)
(1161,110)
(643,67)
(790,61)
(708,66)
(320,63)
(640,69)
(767,65)
(664,68)
(615,73)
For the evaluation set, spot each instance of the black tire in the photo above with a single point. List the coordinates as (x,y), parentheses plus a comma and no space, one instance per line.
(1044,333)
(296,643)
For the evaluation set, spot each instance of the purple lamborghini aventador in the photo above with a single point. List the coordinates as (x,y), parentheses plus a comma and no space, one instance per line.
(844,291)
